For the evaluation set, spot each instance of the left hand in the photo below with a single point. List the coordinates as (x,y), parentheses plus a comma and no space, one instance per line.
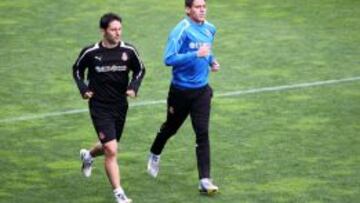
(131,93)
(215,66)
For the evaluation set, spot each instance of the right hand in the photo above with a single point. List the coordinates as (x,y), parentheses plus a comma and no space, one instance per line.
(88,94)
(203,51)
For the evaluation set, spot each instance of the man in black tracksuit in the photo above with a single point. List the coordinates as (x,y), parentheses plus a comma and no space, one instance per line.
(108,65)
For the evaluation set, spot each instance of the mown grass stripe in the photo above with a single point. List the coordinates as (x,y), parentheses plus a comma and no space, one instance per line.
(225,94)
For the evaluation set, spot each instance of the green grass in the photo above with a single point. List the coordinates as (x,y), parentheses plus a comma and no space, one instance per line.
(299,145)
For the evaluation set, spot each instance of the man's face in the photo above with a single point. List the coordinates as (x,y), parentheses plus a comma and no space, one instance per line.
(197,12)
(112,34)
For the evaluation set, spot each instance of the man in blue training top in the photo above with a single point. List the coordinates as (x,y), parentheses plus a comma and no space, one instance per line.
(188,51)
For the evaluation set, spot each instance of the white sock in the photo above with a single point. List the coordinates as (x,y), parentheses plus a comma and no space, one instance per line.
(118,190)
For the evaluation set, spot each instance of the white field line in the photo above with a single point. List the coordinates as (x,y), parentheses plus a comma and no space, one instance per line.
(225,94)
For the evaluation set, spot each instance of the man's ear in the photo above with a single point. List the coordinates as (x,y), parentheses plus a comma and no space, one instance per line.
(187,10)
(102,31)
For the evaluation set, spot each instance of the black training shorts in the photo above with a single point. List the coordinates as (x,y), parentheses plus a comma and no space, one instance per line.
(108,119)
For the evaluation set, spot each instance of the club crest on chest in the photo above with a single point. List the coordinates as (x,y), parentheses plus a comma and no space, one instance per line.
(124,56)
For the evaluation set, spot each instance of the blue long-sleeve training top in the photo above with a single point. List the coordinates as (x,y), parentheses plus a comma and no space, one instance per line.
(188,70)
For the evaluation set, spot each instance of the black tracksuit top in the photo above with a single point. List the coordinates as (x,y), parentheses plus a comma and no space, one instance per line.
(108,71)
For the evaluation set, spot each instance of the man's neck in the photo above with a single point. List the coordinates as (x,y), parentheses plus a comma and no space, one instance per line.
(108,45)
(195,22)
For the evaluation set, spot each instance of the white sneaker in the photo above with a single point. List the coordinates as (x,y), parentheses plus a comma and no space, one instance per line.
(86,162)
(122,198)
(206,186)
(153,165)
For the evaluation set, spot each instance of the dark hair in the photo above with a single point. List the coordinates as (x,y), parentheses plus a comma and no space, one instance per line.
(107,18)
(189,3)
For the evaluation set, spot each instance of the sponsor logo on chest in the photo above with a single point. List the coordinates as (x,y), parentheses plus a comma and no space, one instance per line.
(197,45)
(113,68)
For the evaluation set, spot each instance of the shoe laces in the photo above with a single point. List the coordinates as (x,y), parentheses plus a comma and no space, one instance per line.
(155,158)
(121,196)
(88,162)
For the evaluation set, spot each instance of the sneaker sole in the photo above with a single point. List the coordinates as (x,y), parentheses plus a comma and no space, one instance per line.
(151,174)
(208,192)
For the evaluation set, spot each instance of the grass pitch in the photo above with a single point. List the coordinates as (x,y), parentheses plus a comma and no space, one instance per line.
(296,145)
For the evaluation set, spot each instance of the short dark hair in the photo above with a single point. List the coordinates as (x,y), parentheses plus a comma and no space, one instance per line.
(107,18)
(189,3)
